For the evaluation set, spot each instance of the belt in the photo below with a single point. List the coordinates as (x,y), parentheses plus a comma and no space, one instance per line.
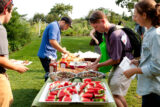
(2,70)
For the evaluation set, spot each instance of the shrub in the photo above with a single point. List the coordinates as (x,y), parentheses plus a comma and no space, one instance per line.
(19,31)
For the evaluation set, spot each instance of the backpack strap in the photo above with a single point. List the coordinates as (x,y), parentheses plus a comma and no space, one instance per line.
(111,30)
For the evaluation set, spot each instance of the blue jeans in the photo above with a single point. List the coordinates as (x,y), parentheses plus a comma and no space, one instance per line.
(45,63)
(151,100)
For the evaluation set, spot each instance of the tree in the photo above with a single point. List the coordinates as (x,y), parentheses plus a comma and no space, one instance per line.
(58,11)
(38,17)
(19,31)
(49,18)
(129,4)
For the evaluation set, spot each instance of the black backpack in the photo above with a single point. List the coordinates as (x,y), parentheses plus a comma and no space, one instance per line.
(135,39)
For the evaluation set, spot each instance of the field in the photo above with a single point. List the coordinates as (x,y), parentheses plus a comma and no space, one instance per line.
(26,86)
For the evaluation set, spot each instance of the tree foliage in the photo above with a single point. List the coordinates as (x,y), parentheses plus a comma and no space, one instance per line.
(18,31)
(38,16)
(129,4)
(58,11)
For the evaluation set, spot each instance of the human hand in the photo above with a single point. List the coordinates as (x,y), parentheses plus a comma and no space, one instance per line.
(129,73)
(21,68)
(89,66)
(95,67)
(135,62)
(97,42)
(68,53)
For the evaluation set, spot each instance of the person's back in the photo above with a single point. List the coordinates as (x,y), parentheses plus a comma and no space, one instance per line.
(118,38)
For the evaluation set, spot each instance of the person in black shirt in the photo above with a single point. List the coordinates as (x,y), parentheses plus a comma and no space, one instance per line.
(96,40)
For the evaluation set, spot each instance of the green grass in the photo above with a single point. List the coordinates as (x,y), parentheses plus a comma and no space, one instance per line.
(26,86)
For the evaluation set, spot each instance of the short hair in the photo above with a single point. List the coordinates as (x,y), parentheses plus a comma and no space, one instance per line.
(67,20)
(6,4)
(96,15)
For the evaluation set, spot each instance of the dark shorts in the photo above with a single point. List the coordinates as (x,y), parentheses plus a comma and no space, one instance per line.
(151,100)
(45,63)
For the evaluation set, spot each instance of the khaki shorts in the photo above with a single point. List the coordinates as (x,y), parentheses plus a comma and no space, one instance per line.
(118,83)
(6,96)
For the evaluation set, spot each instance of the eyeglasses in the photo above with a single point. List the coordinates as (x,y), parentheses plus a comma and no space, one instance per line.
(10,2)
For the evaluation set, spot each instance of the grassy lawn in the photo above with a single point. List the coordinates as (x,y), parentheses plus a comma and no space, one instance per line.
(26,86)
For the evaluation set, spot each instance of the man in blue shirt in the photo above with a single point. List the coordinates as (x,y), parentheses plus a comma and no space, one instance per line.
(50,42)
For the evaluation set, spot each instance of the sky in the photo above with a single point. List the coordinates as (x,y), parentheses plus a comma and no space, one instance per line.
(80,7)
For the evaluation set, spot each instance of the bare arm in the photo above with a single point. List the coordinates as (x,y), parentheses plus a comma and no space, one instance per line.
(109,62)
(97,60)
(56,45)
(131,72)
(106,63)
(94,63)
(4,62)
(93,37)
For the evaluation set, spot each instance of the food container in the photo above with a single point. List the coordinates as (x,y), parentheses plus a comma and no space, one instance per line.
(91,74)
(53,66)
(65,76)
(61,76)
(90,59)
(81,64)
(76,97)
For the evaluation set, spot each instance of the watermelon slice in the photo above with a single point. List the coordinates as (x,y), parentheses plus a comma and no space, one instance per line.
(73,87)
(51,97)
(54,92)
(91,83)
(87,95)
(59,100)
(97,82)
(61,94)
(100,99)
(83,99)
(89,91)
(83,86)
(87,80)
(67,98)
(90,86)
(74,91)
(99,86)
(101,91)
(80,92)
(98,95)
(66,83)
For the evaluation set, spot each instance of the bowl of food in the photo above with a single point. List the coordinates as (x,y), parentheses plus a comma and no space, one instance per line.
(61,76)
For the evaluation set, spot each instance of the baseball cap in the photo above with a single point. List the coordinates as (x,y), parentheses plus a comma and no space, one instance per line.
(67,20)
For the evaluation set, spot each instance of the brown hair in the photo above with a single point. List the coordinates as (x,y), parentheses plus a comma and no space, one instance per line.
(156,6)
(3,3)
(148,7)
(158,15)
(95,16)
